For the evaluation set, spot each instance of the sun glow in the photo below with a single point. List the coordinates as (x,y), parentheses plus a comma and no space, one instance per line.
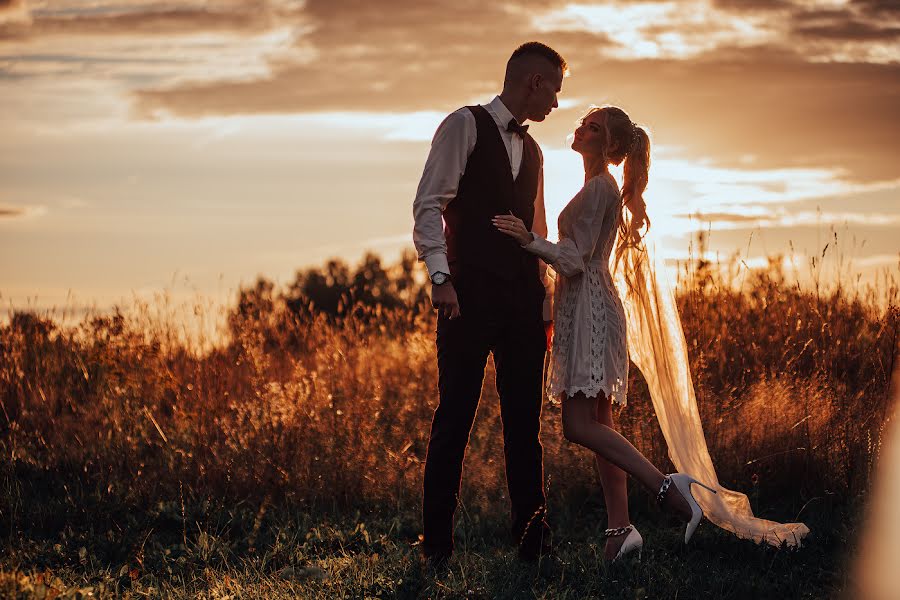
(686,197)
(658,29)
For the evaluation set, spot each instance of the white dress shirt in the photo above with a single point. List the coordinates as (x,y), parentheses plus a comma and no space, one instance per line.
(453,142)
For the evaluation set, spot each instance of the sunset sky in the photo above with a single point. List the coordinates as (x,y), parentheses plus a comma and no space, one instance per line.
(191,145)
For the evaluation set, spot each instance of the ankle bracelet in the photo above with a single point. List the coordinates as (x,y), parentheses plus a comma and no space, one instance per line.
(663,489)
(617,531)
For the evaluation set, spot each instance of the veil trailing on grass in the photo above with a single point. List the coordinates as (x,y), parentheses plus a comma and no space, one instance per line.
(657,346)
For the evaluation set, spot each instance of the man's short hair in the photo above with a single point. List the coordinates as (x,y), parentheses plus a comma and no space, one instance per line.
(543,50)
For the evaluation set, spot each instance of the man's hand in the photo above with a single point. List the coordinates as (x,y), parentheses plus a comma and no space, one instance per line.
(443,298)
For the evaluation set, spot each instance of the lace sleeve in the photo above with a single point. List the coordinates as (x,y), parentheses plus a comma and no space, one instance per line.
(569,256)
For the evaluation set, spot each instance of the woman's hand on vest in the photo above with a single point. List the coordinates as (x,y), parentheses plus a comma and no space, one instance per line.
(513,226)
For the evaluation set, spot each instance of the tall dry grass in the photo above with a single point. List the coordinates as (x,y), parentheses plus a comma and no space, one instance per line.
(116,422)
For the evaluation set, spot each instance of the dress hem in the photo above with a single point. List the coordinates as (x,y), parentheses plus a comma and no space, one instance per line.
(616,397)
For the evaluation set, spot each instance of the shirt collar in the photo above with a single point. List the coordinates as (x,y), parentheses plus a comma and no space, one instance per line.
(502,113)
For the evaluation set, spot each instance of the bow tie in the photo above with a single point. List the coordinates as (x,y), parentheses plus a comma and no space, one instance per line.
(514,127)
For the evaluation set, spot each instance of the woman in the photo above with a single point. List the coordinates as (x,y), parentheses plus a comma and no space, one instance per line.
(589,359)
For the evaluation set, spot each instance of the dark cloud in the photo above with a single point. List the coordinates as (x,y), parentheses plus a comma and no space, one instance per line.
(765,102)
(769,104)
(374,59)
(753,5)
(10,212)
(391,56)
(844,24)
(13,15)
(376,77)
(250,16)
(879,8)
(857,21)
(164,21)
(850,30)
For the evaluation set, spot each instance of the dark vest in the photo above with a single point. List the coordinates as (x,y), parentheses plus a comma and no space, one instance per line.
(487,189)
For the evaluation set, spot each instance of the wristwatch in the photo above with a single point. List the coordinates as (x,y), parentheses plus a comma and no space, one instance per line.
(439,278)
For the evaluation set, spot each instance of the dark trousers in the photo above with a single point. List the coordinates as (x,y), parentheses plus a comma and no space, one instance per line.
(504,318)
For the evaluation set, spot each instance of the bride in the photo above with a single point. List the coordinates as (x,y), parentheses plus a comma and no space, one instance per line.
(593,339)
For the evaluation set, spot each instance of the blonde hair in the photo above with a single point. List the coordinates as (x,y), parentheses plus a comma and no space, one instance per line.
(632,146)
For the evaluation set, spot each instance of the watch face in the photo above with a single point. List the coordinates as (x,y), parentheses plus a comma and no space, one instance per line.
(439,278)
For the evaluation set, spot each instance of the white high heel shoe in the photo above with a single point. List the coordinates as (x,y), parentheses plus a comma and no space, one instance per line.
(683,483)
(633,543)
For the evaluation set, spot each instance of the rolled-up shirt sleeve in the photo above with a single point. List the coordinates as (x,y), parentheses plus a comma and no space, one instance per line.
(451,146)
(571,254)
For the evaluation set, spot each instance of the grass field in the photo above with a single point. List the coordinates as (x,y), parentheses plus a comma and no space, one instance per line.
(286,461)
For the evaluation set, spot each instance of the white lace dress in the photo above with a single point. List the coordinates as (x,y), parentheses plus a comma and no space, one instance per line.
(589,352)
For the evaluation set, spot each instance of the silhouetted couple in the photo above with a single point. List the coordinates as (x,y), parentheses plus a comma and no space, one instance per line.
(480,227)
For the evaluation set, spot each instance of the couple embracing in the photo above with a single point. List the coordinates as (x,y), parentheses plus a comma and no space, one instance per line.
(480,227)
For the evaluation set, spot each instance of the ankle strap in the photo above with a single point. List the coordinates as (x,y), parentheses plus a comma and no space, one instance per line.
(663,489)
(617,531)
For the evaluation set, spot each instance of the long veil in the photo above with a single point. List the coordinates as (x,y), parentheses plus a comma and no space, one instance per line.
(657,347)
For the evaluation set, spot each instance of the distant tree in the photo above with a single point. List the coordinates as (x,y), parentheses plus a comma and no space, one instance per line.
(372,285)
(333,291)
(254,304)
(322,290)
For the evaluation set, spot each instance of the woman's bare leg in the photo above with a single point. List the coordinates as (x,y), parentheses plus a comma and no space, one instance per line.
(614,482)
(580,427)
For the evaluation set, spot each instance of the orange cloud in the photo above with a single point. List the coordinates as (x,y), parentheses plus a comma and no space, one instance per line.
(7,212)
(13,12)
(846,24)
(250,16)
(783,99)
(17,212)
(725,105)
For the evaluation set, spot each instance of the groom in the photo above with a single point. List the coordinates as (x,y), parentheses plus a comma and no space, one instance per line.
(488,291)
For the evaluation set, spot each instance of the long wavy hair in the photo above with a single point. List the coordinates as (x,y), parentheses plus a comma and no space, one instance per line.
(633,147)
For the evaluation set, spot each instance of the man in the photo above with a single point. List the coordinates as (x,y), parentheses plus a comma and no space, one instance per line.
(489,292)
